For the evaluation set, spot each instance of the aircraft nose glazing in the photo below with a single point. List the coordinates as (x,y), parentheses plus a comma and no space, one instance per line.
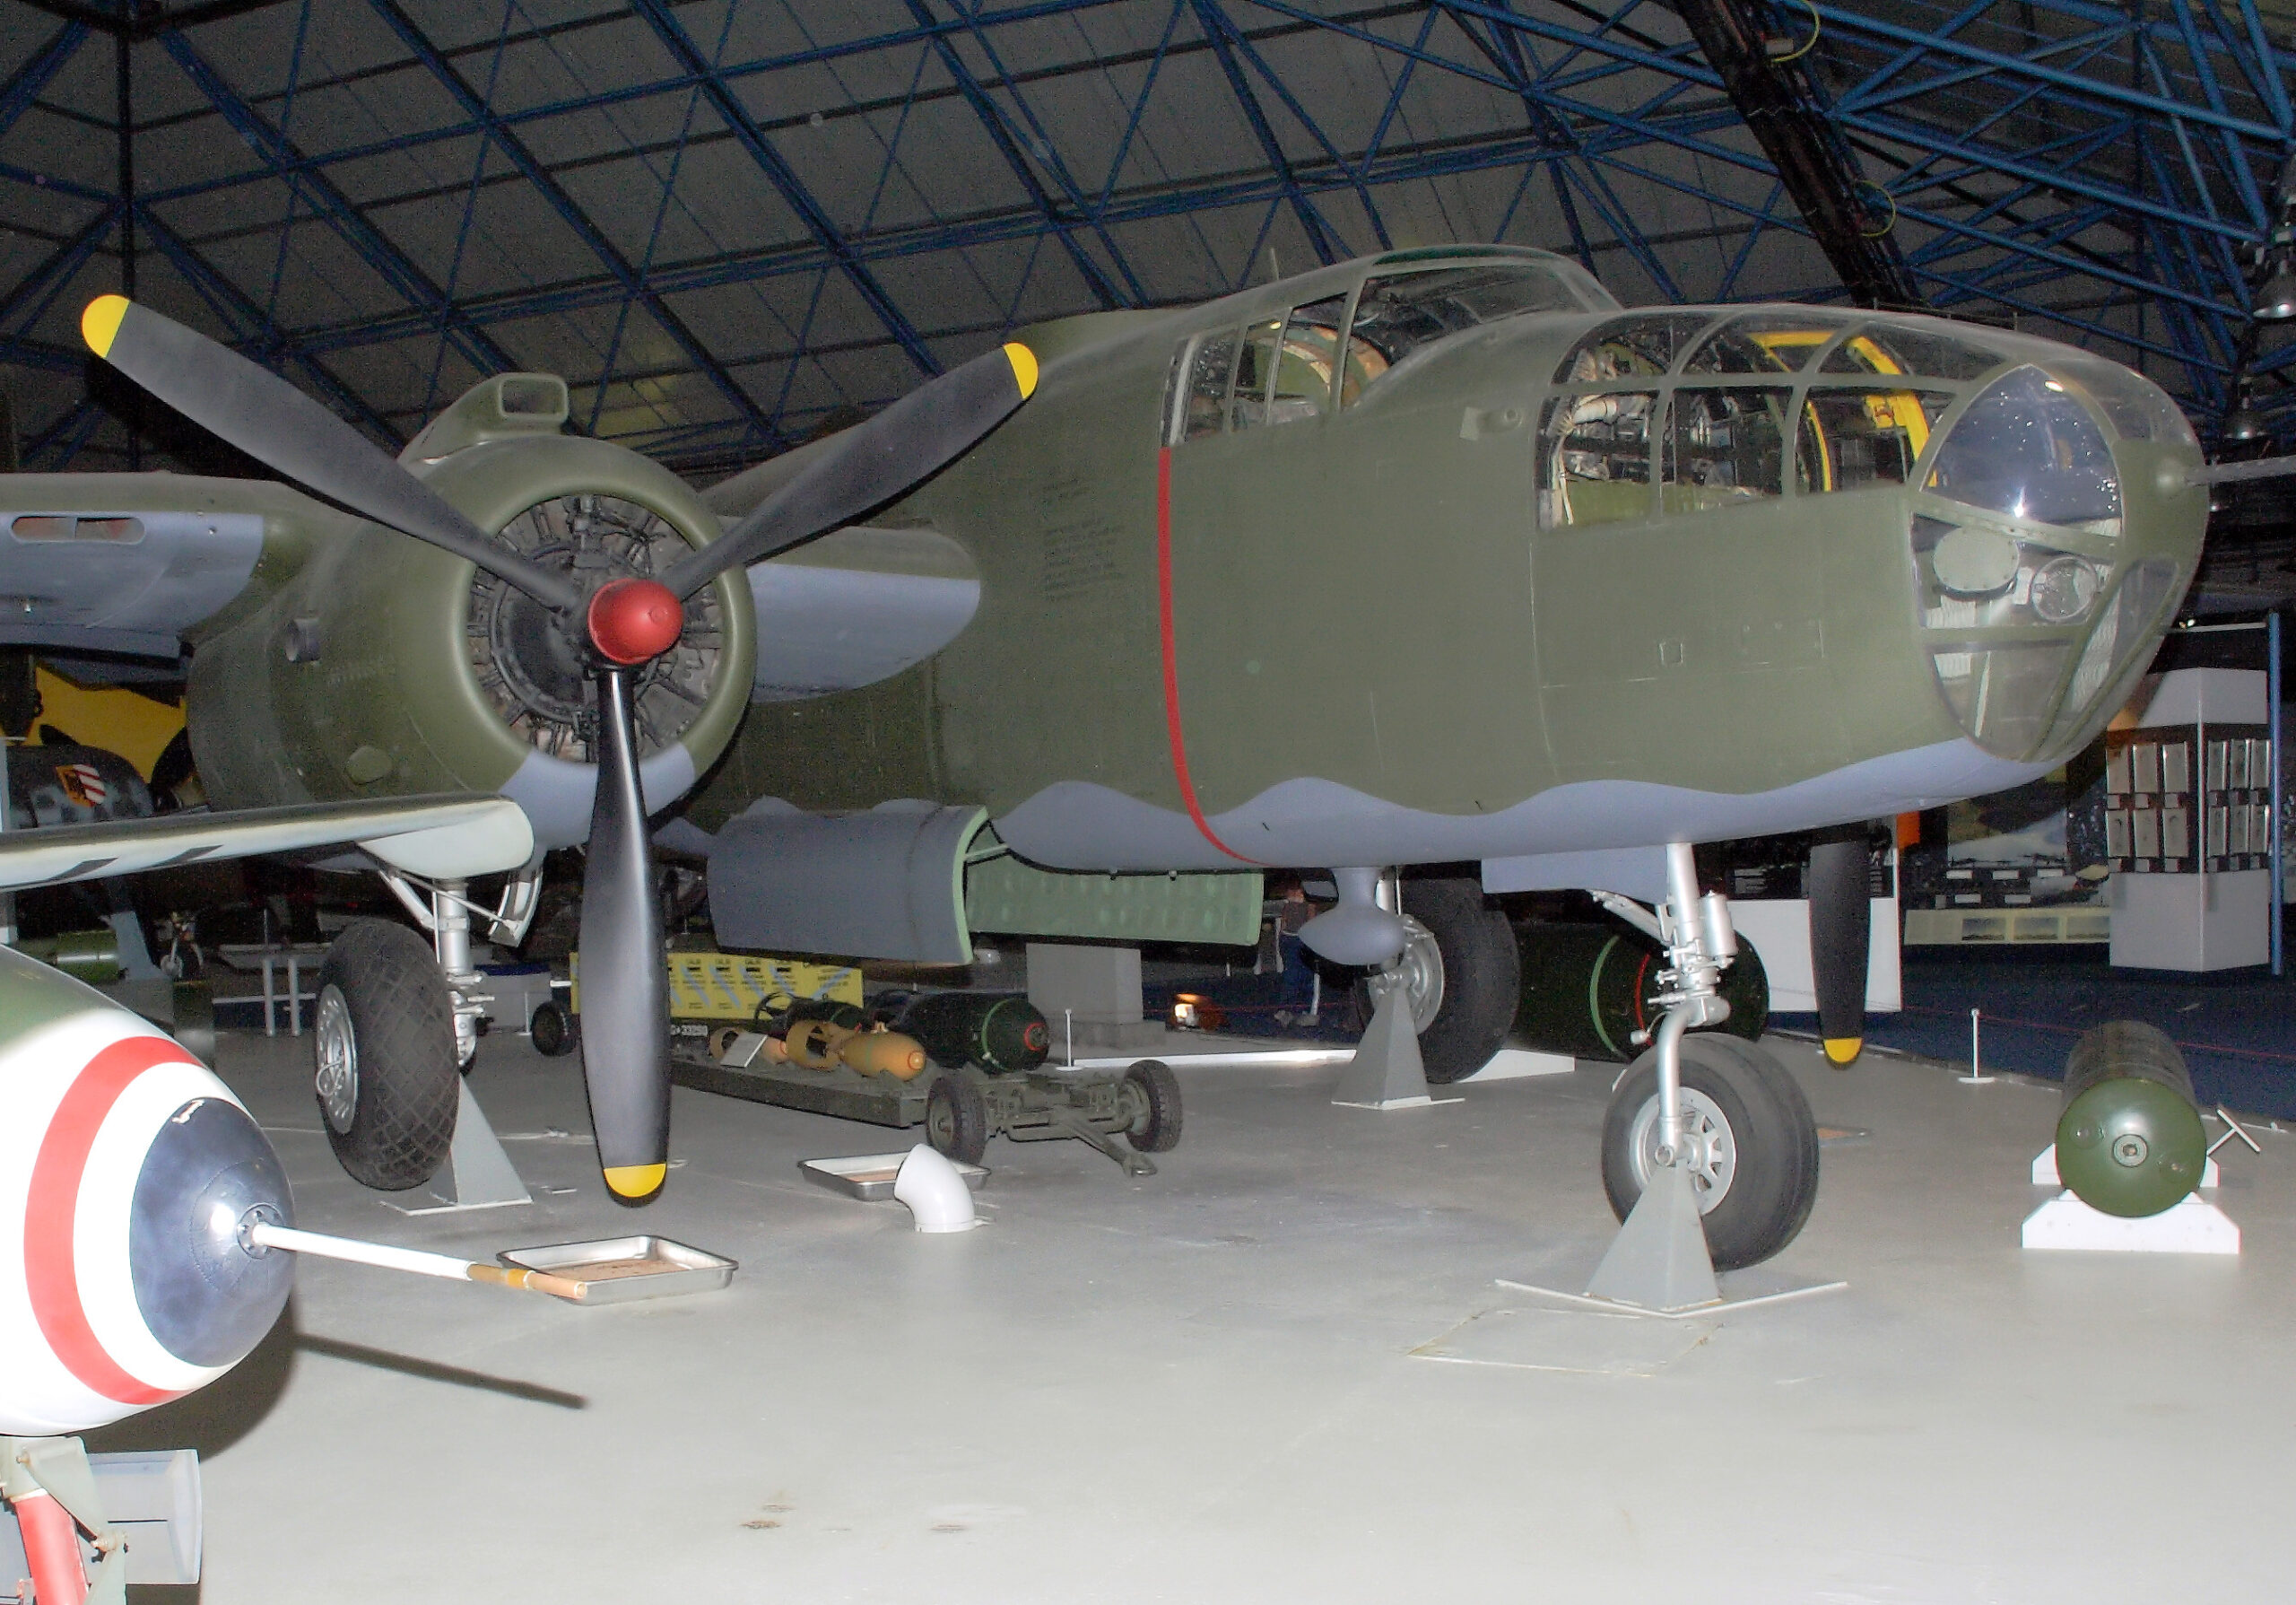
(2041,561)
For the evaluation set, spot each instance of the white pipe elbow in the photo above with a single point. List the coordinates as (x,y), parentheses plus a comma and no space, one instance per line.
(934,1191)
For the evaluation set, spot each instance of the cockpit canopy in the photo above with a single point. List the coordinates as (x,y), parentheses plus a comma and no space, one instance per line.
(1326,355)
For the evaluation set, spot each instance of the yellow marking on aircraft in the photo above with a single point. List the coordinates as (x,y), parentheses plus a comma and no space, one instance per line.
(100,324)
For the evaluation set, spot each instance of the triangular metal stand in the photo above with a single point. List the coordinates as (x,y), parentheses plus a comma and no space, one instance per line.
(1386,1071)
(1659,1260)
(477,1173)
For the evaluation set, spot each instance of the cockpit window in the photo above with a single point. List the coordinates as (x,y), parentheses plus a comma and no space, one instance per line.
(1399,313)
(1274,371)
(1852,439)
(1894,348)
(1723,447)
(1204,370)
(1596,453)
(1641,346)
(2139,408)
(1763,343)
(2027,449)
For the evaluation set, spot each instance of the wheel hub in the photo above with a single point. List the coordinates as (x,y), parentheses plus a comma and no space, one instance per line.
(1421,968)
(1706,1148)
(337,1049)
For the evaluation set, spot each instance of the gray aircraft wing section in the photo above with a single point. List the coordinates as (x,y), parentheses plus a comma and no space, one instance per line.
(441,837)
(127,562)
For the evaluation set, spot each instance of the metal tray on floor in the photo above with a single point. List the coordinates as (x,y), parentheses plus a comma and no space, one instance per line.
(616,1270)
(870,1177)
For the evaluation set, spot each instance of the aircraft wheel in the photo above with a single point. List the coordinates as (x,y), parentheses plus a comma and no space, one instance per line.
(1463,976)
(554,1031)
(956,1118)
(1753,1145)
(1158,1128)
(385,1045)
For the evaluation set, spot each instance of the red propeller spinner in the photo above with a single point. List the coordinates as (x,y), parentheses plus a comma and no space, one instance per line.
(634,621)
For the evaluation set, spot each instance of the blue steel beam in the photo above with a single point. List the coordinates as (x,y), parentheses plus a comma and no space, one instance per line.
(337,209)
(1060,216)
(816,221)
(24,84)
(633,286)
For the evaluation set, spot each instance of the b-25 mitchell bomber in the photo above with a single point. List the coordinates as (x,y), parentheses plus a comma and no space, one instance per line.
(1435,575)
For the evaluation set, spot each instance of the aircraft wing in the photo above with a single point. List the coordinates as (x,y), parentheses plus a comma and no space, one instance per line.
(128,563)
(441,837)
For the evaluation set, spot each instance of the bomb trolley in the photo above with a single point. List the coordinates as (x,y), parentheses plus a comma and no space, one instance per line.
(1127,1116)
(987,1077)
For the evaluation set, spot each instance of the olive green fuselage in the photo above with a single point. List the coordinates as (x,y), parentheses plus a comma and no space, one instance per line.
(1350,630)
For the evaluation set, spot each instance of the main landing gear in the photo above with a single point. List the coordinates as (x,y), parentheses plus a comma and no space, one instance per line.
(398,1020)
(1461,972)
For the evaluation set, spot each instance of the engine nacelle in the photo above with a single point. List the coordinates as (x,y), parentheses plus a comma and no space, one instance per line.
(127,1172)
(380,666)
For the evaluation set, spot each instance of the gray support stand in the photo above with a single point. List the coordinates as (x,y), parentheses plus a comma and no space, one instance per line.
(1090,996)
(1659,1260)
(134,955)
(1386,1071)
(477,1175)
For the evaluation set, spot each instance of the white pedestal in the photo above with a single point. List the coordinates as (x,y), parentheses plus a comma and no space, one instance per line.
(2190,1227)
(1512,1064)
(2192,921)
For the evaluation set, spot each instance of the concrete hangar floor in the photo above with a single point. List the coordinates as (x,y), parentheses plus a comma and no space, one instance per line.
(1284,1369)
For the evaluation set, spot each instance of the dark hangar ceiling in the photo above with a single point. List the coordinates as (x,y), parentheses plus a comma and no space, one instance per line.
(724,223)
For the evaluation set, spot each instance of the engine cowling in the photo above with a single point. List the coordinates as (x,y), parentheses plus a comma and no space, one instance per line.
(385,666)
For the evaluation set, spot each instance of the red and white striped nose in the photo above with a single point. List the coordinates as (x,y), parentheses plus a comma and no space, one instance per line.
(127,1172)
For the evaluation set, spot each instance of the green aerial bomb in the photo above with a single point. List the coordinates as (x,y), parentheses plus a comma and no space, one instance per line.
(1002,1032)
(2129,1141)
(1587,990)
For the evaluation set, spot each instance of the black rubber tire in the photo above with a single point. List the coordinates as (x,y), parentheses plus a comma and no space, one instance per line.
(554,1031)
(1482,977)
(956,1118)
(1775,1183)
(1158,1128)
(402,1026)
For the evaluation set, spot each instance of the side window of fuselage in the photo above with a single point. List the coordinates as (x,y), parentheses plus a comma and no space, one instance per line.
(1597,451)
(1277,370)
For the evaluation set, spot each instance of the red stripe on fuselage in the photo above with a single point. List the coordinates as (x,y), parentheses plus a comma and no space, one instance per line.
(1171,660)
(49,1270)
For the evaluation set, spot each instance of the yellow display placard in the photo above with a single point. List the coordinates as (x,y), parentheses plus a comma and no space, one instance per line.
(740,986)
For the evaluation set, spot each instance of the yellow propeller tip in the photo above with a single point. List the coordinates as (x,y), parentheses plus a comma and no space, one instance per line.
(1845,1050)
(636,1180)
(100,324)
(1025,367)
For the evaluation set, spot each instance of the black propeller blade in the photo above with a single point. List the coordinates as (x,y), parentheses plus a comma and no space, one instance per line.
(871,463)
(1841,921)
(628,623)
(622,955)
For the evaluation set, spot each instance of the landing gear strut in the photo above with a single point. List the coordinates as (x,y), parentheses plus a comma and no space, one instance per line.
(444,909)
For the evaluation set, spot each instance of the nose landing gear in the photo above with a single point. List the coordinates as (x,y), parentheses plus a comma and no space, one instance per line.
(1709,1151)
